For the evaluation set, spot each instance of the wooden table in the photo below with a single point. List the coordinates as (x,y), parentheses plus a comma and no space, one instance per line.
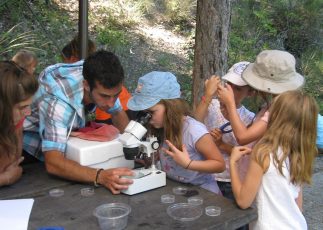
(75,212)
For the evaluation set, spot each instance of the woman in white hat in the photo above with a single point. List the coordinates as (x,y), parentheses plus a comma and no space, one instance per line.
(271,74)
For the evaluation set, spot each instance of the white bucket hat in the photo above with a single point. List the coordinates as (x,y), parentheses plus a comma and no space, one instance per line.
(234,74)
(273,72)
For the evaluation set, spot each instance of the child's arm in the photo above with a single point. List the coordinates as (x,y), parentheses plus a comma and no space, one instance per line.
(211,86)
(213,162)
(11,173)
(244,191)
(299,200)
(244,135)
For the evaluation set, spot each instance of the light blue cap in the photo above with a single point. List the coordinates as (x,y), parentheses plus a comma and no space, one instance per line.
(152,88)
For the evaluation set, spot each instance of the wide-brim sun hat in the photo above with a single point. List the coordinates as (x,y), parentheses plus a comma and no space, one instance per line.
(152,88)
(273,72)
(234,74)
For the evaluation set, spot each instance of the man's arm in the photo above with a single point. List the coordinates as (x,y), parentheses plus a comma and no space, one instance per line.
(58,165)
(120,120)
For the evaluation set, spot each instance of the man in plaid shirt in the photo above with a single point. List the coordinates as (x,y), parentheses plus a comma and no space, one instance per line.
(59,106)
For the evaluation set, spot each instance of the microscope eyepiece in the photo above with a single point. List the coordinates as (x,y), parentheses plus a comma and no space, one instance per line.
(143,118)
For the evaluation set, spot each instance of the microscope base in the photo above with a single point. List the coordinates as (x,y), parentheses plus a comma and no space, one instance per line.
(146,180)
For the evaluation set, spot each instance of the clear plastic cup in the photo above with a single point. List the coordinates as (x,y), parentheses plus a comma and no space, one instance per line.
(112,216)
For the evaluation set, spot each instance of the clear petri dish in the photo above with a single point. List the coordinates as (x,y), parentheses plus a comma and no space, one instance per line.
(56,192)
(180,190)
(87,192)
(213,211)
(167,198)
(184,211)
(195,200)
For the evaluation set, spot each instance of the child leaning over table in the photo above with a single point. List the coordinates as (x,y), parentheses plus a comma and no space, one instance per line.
(281,162)
(159,94)
(16,90)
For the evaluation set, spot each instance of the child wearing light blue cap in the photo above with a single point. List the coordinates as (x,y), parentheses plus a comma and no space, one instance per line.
(192,156)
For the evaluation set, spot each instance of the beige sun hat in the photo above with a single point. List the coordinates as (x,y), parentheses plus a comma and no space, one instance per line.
(273,72)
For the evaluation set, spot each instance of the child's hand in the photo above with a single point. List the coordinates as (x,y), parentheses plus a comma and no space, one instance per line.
(225,95)
(217,136)
(238,152)
(182,158)
(13,171)
(211,86)
(224,111)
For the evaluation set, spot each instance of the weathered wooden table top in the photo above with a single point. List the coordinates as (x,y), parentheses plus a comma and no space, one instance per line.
(75,212)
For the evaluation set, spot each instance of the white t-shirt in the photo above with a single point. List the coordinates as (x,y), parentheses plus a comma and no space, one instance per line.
(215,119)
(276,201)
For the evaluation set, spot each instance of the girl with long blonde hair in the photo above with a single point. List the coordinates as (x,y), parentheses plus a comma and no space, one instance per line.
(281,162)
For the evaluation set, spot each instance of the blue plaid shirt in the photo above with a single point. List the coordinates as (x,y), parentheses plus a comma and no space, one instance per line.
(55,105)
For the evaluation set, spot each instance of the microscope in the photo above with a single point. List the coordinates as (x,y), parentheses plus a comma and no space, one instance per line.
(144,179)
(122,152)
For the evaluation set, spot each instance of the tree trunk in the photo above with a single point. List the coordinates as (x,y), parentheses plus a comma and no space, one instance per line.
(211,43)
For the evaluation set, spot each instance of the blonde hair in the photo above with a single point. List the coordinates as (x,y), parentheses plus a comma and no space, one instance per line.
(175,110)
(291,127)
(24,58)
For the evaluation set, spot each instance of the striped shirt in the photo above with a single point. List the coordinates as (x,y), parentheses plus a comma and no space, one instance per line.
(56,109)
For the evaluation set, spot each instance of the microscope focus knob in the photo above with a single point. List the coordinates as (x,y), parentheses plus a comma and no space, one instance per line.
(155,145)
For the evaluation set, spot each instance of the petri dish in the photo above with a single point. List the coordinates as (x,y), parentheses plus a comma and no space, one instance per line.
(167,198)
(213,211)
(184,211)
(87,191)
(195,200)
(180,190)
(56,192)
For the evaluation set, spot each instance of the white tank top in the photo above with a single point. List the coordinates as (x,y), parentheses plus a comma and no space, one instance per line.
(275,201)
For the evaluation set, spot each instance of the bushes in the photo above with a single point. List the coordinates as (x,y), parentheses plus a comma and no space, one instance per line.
(291,25)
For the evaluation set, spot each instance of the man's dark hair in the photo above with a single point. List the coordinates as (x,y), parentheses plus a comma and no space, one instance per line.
(103,67)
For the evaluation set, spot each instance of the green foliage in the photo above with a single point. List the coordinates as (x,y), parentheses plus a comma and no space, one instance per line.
(12,40)
(112,38)
(291,25)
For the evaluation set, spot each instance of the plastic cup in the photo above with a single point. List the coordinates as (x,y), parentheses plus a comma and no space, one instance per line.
(112,216)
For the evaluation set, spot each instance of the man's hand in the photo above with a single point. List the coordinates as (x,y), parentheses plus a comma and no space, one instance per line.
(112,179)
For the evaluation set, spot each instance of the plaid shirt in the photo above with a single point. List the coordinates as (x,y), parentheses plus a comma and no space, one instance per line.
(56,104)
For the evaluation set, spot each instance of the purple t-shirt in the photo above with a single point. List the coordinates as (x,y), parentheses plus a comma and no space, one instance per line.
(193,130)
